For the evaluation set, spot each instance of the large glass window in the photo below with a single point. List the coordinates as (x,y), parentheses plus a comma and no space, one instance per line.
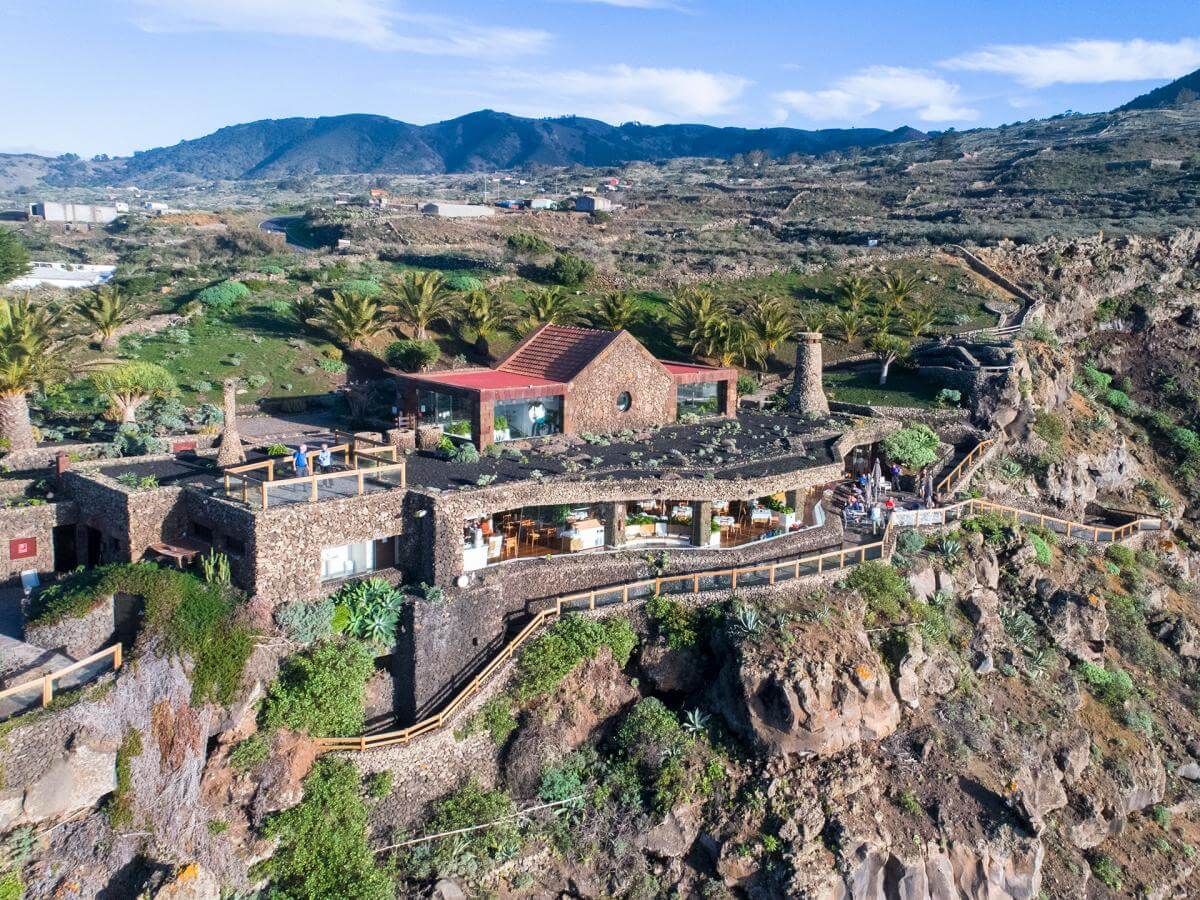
(532,531)
(450,411)
(699,399)
(347,560)
(514,419)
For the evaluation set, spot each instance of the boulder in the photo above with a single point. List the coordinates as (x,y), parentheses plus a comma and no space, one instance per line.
(1073,754)
(673,837)
(923,583)
(908,677)
(447,889)
(672,671)
(823,700)
(1039,791)
(75,780)
(1078,624)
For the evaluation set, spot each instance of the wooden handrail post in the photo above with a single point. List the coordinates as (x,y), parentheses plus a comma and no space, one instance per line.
(360,482)
(244,500)
(313,480)
(47,690)
(264,494)
(118,656)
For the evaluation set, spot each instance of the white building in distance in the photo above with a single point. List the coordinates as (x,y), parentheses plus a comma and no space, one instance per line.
(68,276)
(456,210)
(87,213)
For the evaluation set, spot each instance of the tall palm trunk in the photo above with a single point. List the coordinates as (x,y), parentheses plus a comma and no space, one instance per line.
(231,452)
(15,427)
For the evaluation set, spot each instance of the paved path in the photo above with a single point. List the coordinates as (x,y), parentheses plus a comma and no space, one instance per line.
(279,225)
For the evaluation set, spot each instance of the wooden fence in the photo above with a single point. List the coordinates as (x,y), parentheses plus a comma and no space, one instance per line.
(45,685)
(950,482)
(1098,534)
(718,579)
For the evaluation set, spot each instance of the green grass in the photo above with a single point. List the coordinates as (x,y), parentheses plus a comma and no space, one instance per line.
(903,388)
(215,341)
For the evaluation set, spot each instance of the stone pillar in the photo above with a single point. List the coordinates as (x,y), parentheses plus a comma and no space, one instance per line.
(808,393)
(614,524)
(483,419)
(701,522)
(728,398)
(231,452)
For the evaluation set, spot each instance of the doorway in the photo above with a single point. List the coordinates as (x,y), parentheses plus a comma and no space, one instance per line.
(66,555)
(94,546)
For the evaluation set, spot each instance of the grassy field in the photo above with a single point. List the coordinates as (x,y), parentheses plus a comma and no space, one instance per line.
(861,385)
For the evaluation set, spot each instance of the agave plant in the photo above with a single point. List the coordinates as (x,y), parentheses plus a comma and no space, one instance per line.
(695,721)
(368,610)
(950,548)
(746,621)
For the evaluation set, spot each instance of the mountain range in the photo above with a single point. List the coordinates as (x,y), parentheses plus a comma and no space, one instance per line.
(476,142)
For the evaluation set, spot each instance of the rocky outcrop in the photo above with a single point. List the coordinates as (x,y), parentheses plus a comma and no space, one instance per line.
(76,778)
(821,698)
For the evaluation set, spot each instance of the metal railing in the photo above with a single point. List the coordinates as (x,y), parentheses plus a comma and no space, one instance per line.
(368,462)
(41,690)
(697,582)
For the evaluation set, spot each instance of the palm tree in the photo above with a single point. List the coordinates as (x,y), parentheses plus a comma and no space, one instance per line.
(887,348)
(306,311)
(31,353)
(352,319)
(772,322)
(735,341)
(850,322)
(697,315)
(897,289)
(813,317)
(853,290)
(129,386)
(616,310)
(105,310)
(484,314)
(920,318)
(419,300)
(551,306)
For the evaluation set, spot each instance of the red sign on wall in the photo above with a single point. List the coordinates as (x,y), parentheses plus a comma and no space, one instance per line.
(183,446)
(22,548)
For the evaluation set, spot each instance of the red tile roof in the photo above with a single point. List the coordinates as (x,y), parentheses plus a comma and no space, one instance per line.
(557,352)
(484,379)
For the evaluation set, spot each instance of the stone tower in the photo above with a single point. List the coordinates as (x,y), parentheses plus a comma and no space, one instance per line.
(231,452)
(808,393)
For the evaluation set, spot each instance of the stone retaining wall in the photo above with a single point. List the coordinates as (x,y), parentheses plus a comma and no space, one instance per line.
(77,637)
(37,523)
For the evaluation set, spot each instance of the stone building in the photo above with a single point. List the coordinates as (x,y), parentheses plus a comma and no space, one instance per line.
(566,380)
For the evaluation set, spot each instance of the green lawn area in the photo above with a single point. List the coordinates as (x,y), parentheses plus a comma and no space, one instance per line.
(861,385)
(275,360)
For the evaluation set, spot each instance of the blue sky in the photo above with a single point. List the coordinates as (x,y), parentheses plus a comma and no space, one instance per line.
(112,76)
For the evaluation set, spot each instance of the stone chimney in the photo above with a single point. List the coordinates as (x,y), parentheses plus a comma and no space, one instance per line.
(62,462)
(808,393)
(231,452)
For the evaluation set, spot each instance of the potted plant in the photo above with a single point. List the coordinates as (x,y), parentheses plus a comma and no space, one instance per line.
(714,537)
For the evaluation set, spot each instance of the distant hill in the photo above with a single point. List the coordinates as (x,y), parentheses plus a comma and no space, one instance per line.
(480,141)
(1180,91)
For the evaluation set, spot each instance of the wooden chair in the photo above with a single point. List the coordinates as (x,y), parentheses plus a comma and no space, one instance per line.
(510,547)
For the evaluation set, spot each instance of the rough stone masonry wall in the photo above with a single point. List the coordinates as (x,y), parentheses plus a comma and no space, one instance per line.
(37,522)
(102,507)
(808,388)
(625,366)
(77,636)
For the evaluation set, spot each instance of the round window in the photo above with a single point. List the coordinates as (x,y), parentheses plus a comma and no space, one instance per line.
(624,401)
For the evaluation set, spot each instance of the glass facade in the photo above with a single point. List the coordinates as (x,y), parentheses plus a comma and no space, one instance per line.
(537,416)
(450,411)
(532,531)
(347,560)
(699,399)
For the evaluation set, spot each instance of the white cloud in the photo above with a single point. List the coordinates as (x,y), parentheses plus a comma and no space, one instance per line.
(932,98)
(622,93)
(1084,62)
(377,24)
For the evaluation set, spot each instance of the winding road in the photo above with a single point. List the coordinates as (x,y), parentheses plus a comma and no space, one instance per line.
(279,225)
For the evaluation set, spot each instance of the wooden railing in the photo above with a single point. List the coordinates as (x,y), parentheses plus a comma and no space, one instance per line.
(745,576)
(950,482)
(45,684)
(943,515)
(379,459)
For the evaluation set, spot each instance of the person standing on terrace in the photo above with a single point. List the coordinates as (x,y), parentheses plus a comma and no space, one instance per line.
(324,459)
(300,461)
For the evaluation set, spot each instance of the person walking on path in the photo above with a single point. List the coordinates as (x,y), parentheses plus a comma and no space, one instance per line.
(876,518)
(324,459)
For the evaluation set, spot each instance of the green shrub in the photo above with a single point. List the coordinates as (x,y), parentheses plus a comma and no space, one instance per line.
(675,623)
(360,287)
(995,528)
(553,655)
(1121,556)
(1186,441)
(223,297)
(655,747)
(1119,400)
(1050,428)
(910,542)
(412,356)
(882,587)
(306,623)
(249,752)
(532,244)
(570,270)
(11,886)
(334,366)
(1100,381)
(496,717)
(320,691)
(746,384)
(323,848)
(460,281)
(1106,871)
(913,446)
(1040,548)
(474,852)
(1112,687)
(379,784)
(368,610)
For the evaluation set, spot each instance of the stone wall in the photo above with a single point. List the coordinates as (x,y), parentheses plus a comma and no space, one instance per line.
(78,636)
(43,457)
(36,523)
(624,366)
(808,390)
